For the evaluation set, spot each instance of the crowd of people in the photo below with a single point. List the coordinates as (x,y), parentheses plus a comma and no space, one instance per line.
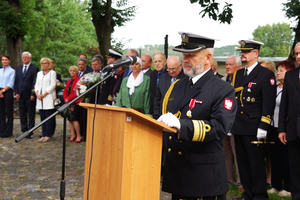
(226,124)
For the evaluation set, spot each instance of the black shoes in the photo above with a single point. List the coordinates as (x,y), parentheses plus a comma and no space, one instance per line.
(30,136)
(239,198)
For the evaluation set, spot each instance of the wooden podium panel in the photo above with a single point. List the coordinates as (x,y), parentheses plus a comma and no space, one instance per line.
(123,156)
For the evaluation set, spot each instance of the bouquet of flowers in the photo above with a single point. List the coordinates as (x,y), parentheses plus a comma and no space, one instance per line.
(59,86)
(85,82)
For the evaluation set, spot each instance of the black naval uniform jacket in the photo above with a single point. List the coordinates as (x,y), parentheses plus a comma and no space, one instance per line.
(161,89)
(289,118)
(255,96)
(195,160)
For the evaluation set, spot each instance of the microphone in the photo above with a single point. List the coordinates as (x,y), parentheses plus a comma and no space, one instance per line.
(127,61)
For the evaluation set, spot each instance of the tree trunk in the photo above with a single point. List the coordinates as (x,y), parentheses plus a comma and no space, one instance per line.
(15,50)
(104,28)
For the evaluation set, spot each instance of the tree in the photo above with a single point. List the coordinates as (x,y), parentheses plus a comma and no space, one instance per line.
(105,18)
(18,17)
(277,39)
(292,9)
(67,31)
(211,8)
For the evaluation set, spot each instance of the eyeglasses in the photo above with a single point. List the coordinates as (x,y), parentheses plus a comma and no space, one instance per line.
(45,63)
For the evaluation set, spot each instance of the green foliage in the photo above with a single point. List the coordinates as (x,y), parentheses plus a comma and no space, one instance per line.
(67,31)
(153,49)
(225,50)
(120,15)
(19,17)
(211,8)
(277,39)
(3,43)
(292,9)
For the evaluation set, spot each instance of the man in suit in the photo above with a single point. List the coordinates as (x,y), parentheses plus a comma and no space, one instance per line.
(114,56)
(205,108)
(84,56)
(214,66)
(255,94)
(147,62)
(104,88)
(24,92)
(160,61)
(232,64)
(82,67)
(174,68)
(289,122)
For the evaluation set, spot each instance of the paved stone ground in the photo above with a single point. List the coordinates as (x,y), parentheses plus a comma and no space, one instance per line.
(32,170)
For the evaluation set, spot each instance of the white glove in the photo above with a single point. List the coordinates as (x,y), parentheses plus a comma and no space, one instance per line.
(261,134)
(170,120)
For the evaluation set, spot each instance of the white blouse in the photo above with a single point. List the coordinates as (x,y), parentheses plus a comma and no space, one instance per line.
(45,82)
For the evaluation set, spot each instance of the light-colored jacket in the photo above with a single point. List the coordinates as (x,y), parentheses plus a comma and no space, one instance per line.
(46,82)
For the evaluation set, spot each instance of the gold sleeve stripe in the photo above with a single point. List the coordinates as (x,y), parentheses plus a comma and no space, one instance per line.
(167,96)
(266,119)
(196,131)
(200,130)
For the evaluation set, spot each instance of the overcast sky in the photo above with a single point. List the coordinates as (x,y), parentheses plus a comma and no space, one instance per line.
(156,18)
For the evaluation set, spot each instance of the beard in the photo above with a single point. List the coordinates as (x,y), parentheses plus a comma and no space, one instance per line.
(195,70)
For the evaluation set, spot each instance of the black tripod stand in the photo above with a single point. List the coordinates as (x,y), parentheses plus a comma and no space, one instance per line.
(63,111)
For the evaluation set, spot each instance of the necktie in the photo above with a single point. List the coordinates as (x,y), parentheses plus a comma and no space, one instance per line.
(79,75)
(245,72)
(25,70)
(173,80)
(189,84)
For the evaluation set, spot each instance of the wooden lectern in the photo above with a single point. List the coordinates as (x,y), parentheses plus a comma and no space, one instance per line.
(123,156)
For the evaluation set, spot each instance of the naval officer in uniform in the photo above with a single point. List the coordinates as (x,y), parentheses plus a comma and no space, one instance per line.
(255,94)
(202,107)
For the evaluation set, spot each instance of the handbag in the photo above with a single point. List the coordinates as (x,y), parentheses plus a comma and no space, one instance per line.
(56,103)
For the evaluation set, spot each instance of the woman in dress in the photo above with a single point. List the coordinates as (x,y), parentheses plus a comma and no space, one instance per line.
(74,110)
(280,178)
(134,91)
(7,79)
(46,94)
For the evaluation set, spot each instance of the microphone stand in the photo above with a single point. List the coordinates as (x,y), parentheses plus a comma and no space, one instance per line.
(63,111)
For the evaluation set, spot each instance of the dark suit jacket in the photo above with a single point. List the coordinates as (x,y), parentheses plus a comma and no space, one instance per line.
(219,75)
(153,88)
(257,101)
(58,77)
(89,68)
(148,73)
(289,118)
(163,86)
(24,86)
(193,167)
